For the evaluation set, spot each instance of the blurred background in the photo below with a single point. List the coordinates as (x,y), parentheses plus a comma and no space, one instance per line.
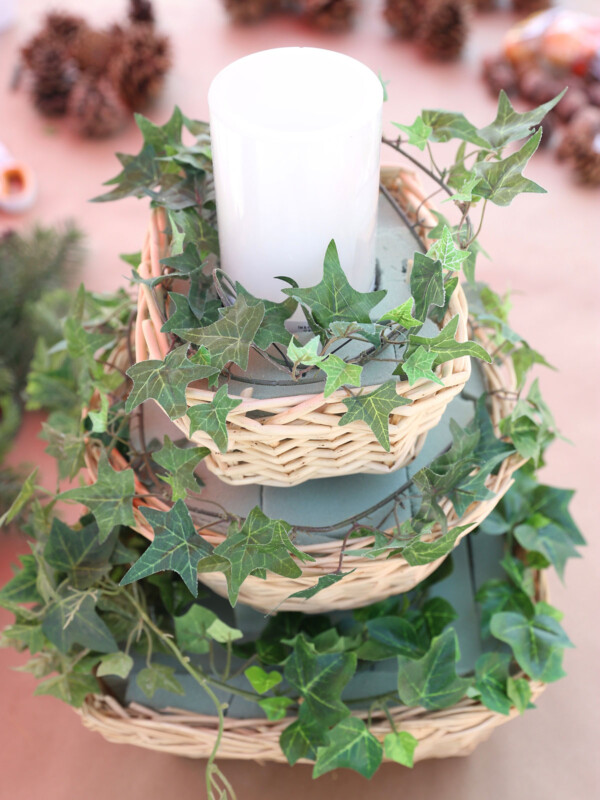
(62,135)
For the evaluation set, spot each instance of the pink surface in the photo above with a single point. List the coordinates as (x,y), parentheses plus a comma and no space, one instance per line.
(546,246)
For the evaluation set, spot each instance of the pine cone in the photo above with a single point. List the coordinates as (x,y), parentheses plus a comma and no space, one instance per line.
(248,11)
(93,50)
(96,108)
(444,30)
(138,70)
(141,11)
(580,134)
(330,15)
(53,78)
(586,163)
(404,16)
(499,74)
(530,6)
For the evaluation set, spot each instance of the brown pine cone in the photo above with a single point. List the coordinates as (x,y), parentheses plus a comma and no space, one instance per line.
(141,11)
(444,30)
(96,109)
(530,6)
(59,31)
(93,50)
(248,11)
(404,16)
(593,93)
(53,79)
(571,103)
(499,74)
(137,71)
(538,86)
(586,163)
(330,15)
(580,134)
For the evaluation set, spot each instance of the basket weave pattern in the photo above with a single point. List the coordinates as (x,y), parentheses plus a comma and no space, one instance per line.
(373,579)
(286,440)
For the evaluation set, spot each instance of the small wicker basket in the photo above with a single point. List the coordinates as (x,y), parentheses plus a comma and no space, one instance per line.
(373,579)
(288,439)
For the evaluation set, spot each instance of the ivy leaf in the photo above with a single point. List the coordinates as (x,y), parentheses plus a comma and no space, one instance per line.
(228,339)
(509,125)
(502,181)
(445,346)
(519,693)
(418,366)
(351,745)
(491,676)
(139,173)
(370,331)
(183,317)
(400,747)
(23,587)
(541,536)
(272,329)
(402,315)
(388,637)
(72,619)
(432,681)
(536,642)
(72,688)
(161,136)
(176,546)
(109,499)
(166,381)
(198,626)
(448,125)
(324,582)
(320,679)
(261,544)
(445,250)
(27,491)
(420,552)
(374,409)
(302,737)
(67,448)
(212,417)
(438,613)
(180,463)
(119,664)
(305,353)
(158,676)
(418,133)
(78,554)
(466,191)
(275,707)
(426,284)
(339,373)
(188,226)
(261,681)
(333,299)
(497,595)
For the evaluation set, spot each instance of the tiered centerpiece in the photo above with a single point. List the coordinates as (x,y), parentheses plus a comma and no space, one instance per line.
(211,417)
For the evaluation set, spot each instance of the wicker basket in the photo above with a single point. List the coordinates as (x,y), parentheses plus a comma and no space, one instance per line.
(288,439)
(454,731)
(373,579)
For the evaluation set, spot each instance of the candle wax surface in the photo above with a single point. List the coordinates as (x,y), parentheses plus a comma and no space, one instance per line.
(296,139)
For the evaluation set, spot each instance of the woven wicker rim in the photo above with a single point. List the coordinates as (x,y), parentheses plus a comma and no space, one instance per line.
(299,438)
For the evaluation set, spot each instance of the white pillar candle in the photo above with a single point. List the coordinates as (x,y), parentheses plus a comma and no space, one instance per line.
(296,138)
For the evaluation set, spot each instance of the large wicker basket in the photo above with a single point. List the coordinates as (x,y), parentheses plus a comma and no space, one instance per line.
(455,731)
(287,439)
(373,579)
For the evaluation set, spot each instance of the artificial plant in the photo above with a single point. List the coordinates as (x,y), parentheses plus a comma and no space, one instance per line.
(92,594)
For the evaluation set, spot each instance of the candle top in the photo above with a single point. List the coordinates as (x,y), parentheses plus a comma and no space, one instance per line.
(296,91)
